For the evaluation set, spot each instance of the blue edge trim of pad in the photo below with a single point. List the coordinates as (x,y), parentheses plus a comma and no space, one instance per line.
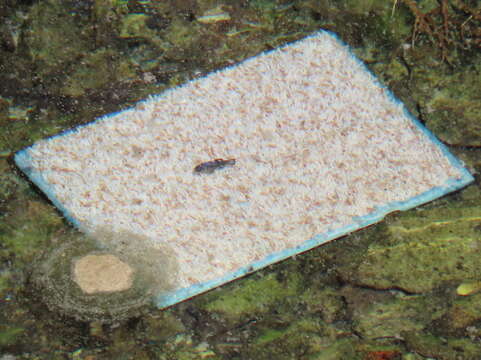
(22,159)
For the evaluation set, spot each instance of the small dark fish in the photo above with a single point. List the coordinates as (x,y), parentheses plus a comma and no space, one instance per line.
(209,167)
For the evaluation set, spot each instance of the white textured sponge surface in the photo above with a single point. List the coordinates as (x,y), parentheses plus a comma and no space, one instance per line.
(317,143)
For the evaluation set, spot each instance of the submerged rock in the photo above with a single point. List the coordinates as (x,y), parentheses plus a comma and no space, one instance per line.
(423,250)
(468,288)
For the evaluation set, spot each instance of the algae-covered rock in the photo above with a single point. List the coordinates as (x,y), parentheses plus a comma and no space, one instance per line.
(342,348)
(19,113)
(472,159)
(70,61)
(183,347)
(135,26)
(446,98)
(442,348)
(8,183)
(311,340)
(468,288)
(181,34)
(381,315)
(453,110)
(53,37)
(424,249)
(251,296)
(328,303)
(98,69)
(214,15)
(161,326)
(9,335)
(287,340)
(26,228)
(462,312)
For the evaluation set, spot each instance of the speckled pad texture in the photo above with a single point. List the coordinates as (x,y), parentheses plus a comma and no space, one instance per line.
(321,149)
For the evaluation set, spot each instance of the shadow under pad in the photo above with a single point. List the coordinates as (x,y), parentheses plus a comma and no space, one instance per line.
(321,149)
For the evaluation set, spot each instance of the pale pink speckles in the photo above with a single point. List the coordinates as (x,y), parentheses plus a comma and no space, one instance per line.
(316,142)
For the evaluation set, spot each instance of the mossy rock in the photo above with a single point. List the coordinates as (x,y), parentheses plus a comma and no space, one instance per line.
(423,250)
(442,348)
(183,347)
(53,36)
(384,315)
(302,337)
(9,183)
(453,110)
(464,311)
(9,335)
(134,26)
(255,295)
(163,326)
(342,348)
(327,302)
(27,229)
(98,70)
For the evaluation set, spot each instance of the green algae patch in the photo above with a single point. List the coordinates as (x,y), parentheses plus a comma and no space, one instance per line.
(389,26)
(307,337)
(446,99)
(162,326)
(424,249)
(442,348)
(342,348)
(135,26)
(251,296)
(453,111)
(391,317)
(25,231)
(304,333)
(462,312)
(306,327)
(4,282)
(468,288)
(183,35)
(53,36)
(327,301)
(183,347)
(270,335)
(9,183)
(98,69)
(10,335)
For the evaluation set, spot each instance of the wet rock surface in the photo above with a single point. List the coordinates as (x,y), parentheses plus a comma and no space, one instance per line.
(387,292)
(425,249)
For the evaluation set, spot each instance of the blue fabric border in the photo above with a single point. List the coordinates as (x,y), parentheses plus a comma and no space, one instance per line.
(23,161)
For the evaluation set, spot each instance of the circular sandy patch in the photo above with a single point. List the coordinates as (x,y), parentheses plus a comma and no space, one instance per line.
(102,273)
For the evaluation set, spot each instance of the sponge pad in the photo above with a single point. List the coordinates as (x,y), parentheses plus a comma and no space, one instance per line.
(321,149)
